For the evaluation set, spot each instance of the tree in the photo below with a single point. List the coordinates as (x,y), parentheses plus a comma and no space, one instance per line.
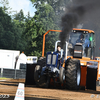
(10,33)
(58,7)
(37,26)
(5,6)
(5,32)
(27,17)
(47,16)
(20,16)
(18,28)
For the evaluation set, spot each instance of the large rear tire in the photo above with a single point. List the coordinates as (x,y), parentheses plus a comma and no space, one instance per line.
(41,80)
(73,74)
(41,62)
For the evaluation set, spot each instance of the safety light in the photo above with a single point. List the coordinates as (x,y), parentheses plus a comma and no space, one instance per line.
(74,31)
(91,38)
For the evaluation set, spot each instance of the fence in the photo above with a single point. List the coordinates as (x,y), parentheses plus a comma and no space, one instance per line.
(13,73)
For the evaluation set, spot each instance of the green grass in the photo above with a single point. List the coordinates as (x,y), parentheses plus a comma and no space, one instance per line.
(4,78)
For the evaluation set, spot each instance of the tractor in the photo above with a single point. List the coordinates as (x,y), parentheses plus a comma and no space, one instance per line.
(78,71)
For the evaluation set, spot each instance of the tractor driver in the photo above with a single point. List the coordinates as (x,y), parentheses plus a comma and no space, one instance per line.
(59,54)
(81,39)
(59,51)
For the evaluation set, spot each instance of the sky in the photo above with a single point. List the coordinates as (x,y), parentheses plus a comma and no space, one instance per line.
(25,5)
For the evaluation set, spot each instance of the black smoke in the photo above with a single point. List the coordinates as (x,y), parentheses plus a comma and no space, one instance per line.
(86,12)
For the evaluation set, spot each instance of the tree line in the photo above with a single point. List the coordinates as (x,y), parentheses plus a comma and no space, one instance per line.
(25,33)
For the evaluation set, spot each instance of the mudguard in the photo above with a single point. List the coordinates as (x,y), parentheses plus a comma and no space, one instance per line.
(30,74)
(91,75)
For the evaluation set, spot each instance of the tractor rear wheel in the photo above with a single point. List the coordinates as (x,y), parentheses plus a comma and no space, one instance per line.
(73,74)
(42,61)
(41,80)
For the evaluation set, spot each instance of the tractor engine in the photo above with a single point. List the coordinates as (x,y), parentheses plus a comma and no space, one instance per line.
(52,65)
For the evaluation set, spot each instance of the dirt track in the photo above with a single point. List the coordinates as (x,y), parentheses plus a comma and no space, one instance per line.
(32,93)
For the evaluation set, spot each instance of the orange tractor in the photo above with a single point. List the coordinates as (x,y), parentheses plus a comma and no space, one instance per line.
(79,70)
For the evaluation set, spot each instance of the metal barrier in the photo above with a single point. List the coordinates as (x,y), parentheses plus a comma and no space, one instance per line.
(13,73)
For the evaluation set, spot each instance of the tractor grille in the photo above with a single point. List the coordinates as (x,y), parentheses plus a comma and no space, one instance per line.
(54,60)
(51,59)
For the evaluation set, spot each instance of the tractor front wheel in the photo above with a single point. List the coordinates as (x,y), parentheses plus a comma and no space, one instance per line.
(73,74)
(41,80)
